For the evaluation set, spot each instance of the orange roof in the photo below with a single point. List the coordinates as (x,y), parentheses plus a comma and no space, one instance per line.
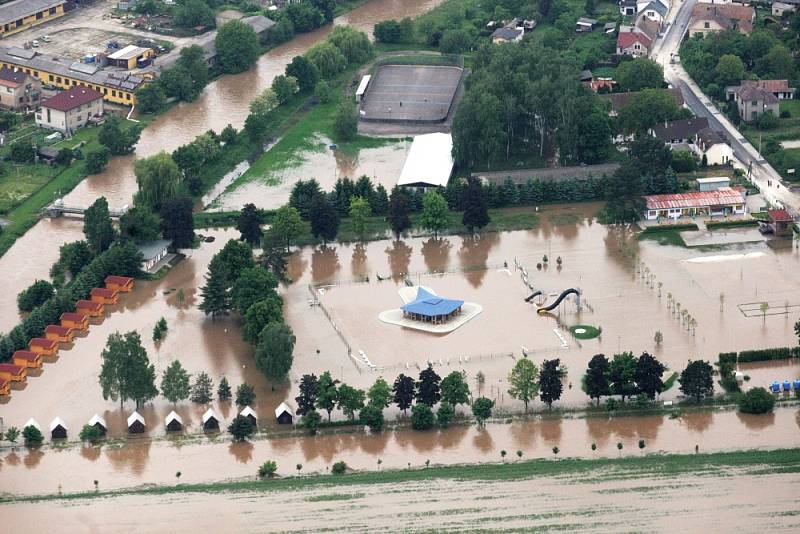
(71,316)
(11,368)
(89,304)
(26,355)
(119,280)
(724,196)
(779,216)
(103,292)
(57,329)
(42,342)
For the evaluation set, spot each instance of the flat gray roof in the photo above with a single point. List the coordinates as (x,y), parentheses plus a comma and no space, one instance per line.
(19,9)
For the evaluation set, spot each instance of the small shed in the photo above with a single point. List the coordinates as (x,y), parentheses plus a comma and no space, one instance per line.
(248,412)
(284,414)
(362,87)
(585,24)
(781,222)
(32,422)
(27,358)
(74,320)
(12,372)
(713,183)
(99,423)
(123,284)
(136,423)
(103,295)
(44,346)
(87,307)
(174,422)
(58,429)
(210,420)
(62,334)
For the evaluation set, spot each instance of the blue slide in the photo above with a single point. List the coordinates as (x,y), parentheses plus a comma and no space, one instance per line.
(561,297)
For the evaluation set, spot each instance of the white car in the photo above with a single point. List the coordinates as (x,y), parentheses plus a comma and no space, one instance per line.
(46,38)
(35,44)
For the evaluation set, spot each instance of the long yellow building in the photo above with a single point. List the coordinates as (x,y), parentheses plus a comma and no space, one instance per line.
(22,14)
(116,86)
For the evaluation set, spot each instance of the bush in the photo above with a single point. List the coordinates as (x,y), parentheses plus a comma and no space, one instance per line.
(756,401)
(97,159)
(91,433)
(421,417)
(22,153)
(339,468)
(34,296)
(372,416)
(32,436)
(760,355)
(785,114)
(767,121)
(682,161)
(267,469)
(445,414)
(311,421)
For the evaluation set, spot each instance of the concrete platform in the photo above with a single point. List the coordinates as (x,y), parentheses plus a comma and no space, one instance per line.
(469,311)
(727,236)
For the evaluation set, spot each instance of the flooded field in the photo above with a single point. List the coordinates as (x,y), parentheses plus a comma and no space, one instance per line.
(142,461)
(270,191)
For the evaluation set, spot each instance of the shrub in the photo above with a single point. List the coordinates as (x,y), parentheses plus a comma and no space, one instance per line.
(421,417)
(339,468)
(91,434)
(785,114)
(445,414)
(756,401)
(32,436)
(267,469)
(372,416)
(767,121)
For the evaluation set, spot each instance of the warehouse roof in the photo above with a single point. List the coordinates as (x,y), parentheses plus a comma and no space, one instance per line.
(25,8)
(429,162)
(724,196)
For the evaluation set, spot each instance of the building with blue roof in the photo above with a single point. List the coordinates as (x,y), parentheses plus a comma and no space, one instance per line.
(431,308)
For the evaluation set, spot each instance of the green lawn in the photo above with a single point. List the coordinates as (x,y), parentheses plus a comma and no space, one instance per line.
(18,182)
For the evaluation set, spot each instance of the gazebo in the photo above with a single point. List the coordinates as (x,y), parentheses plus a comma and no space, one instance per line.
(431,308)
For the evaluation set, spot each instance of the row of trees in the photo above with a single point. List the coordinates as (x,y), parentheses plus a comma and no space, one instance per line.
(235,283)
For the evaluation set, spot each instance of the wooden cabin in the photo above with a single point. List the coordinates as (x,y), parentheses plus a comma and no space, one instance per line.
(248,412)
(210,421)
(27,358)
(5,387)
(87,307)
(174,422)
(58,429)
(99,423)
(13,372)
(62,334)
(284,414)
(104,296)
(78,321)
(136,423)
(123,284)
(44,346)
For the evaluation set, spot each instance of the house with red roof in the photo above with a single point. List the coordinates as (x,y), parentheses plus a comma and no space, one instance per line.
(633,43)
(87,307)
(44,346)
(12,372)
(780,221)
(19,91)
(70,110)
(60,333)
(78,321)
(123,284)
(27,358)
(103,295)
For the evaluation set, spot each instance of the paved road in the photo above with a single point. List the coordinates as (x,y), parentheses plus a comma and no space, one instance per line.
(763,175)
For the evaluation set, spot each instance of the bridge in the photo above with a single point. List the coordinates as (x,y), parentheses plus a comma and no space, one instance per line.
(58,208)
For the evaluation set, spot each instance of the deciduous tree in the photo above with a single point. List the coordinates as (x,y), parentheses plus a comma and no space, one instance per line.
(550,386)
(434,212)
(697,380)
(596,378)
(249,224)
(307,398)
(403,390)
(455,390)
(648,375)
(350,400)
(97,226)
(237,46)
(428,389)
(275,351)
(327,393)
(524,381)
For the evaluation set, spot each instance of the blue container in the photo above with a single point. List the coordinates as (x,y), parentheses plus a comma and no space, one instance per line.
(787,385)
(775,387)
(797,385)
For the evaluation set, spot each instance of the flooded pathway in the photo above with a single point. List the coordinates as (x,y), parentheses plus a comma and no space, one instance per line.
(144,462)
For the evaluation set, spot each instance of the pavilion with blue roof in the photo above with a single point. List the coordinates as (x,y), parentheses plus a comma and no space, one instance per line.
(431,308)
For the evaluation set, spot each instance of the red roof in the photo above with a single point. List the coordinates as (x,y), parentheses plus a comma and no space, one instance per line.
(724,196)
(118,280)
(25,355)
(58,330)
(11,368)
(103,292)
(72,98)
(71,316)
(628,39)
(42,342)
(779,216)
(89,304)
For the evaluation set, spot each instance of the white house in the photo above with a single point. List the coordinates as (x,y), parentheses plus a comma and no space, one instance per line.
(710,144)
(152,253)
(655,11)
(70,110)
(719,202)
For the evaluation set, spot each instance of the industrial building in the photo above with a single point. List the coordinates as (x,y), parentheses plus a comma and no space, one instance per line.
(20,15)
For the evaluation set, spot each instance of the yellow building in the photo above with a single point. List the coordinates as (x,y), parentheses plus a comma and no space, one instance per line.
(128,57)
(22,14)
(116,86)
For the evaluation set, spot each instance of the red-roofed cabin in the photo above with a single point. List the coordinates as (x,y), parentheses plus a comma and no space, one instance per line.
(87,307)
(78,321)
(27,358)
(104,296)
(5,386)
(123,284)
(781,221)
(12,372)
(44,346)
(62,334)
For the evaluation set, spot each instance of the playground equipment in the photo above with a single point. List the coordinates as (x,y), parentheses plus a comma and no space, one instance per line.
(534,295)
(564,294)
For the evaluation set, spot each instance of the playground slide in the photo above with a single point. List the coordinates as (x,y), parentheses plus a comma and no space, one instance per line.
(561,297)
(533,295)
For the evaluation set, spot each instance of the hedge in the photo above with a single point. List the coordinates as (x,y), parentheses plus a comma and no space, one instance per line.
(760,355)
(670,228)
(731,224)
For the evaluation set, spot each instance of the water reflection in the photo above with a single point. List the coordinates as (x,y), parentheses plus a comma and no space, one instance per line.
(324,264)
(756,422)
(358,263)
(483,441)
(436,253)
(90,452)
(474,254)
(242,451)
(399,254)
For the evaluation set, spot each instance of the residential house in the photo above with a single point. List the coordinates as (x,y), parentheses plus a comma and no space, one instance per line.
(711,144)
(633,43)
(648,27)
(654,11)
(507,35)
(627,8)
(780,8)
(712,18)
(152,253)
(681,131)
(721,202)
(61,334)
(585,24)
(103,295)
(123,284)
(779,88)
(19,91)
(27,359)
(20,15)
(70,110)
(43,346)
(753,101)
(78,321)
(87,307)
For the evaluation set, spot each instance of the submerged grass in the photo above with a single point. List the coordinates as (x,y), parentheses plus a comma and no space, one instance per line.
(597,470)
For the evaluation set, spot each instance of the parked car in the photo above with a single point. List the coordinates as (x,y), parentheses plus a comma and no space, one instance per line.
(46,38)
(35,44)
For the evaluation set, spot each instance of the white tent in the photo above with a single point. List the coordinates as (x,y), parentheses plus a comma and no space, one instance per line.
(429,162)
